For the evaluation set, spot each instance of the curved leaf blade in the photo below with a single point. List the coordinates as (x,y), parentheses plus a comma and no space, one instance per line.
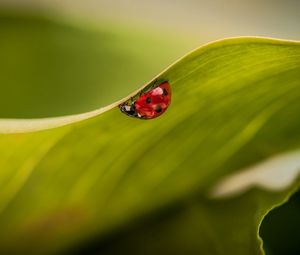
(231,100)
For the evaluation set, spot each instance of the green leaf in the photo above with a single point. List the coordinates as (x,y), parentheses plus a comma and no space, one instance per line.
(143,187)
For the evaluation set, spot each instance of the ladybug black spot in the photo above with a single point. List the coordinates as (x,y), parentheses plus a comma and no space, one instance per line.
(165,92)
(148,100)
(158,108)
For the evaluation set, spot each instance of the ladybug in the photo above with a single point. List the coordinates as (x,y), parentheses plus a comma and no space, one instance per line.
(150,103)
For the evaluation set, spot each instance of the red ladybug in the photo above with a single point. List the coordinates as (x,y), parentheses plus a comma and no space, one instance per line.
(149,104)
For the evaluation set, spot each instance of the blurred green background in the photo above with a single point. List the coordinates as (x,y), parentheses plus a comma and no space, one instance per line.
(199,19)
(168,29)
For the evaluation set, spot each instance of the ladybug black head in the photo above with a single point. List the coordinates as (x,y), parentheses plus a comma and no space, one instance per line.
(128,109)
